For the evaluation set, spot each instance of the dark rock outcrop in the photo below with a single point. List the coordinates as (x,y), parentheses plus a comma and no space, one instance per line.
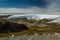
(6,27)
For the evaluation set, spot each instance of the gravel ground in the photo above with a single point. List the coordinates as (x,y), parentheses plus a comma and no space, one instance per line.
(55,36)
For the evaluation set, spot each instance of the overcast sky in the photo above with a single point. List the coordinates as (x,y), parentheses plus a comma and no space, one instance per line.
(30,6)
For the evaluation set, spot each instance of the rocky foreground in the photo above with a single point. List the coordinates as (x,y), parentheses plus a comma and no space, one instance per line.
(55,36)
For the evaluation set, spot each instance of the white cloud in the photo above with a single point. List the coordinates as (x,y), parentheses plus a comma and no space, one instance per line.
(29,10)
(20,10)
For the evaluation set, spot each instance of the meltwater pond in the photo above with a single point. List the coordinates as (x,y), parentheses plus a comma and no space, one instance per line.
(55,36)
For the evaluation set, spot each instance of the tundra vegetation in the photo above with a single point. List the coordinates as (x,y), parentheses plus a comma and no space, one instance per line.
(29,27)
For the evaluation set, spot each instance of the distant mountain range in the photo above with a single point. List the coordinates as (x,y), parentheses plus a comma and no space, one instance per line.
(36,17)
(56,20)
(23,16)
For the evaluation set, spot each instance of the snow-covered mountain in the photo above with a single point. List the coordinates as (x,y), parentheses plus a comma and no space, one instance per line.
(34,16)
(55,20)
(37,17)
(23,16)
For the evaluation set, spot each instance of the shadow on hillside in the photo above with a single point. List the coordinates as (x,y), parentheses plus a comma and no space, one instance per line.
(6,27)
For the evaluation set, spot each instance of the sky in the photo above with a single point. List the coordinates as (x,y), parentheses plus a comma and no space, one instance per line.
(30,6)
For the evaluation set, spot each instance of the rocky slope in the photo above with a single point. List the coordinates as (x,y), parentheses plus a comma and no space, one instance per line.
(7,26)
(55,36)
